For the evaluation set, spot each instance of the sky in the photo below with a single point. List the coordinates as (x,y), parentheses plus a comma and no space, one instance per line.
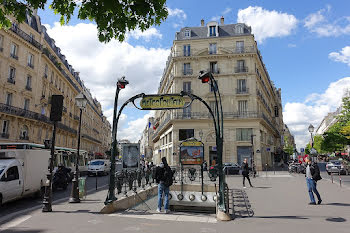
(305,46)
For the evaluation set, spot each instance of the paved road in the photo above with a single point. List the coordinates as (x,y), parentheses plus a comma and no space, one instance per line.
(29,202)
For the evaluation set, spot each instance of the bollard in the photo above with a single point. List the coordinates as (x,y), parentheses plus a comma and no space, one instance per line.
(266,169)
(332,176)
(96,181)
(339,179)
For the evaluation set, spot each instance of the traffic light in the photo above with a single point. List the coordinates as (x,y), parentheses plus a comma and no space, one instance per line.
(122,83)
(204,76)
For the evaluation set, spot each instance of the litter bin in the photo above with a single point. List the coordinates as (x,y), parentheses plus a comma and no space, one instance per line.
(82,187)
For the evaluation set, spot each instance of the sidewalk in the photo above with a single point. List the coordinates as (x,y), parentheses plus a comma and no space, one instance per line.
(279,203)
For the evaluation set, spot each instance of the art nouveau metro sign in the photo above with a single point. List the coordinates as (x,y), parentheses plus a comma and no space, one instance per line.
(167,101)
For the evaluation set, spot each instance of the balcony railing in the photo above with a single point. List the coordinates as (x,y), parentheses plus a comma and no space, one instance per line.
(219,51)
(91,138)
(5,135)
(188,91)
(187,71)
(25,36)
(32,115)
(242,91)
(11,80)
(14,56)
(30,65)
(28,88)
(241,69)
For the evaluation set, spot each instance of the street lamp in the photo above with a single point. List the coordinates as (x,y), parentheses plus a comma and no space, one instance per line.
(311,130)
(207,77)
(121,84)
(252,159)
(80,101)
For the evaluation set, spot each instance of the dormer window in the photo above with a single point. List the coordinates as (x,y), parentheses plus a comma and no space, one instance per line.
(187,33)
(239,29)
(212,31)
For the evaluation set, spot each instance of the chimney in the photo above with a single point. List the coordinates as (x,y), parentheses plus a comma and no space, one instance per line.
(222,20)
(202,22)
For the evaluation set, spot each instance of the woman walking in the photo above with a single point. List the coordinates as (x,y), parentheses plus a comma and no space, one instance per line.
(245,173)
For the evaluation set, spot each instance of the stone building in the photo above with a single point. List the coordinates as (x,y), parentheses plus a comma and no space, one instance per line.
(33,68)
(251,103)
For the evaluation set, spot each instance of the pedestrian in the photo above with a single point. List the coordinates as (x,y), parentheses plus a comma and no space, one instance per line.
(312,174)
(245,173)
(164,179)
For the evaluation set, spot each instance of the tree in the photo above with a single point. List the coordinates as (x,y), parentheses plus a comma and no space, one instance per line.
(333,139)
(113,18)
(288,148)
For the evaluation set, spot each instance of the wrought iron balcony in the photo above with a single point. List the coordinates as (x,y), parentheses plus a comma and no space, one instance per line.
(5,135)
(14,56)
(28,88)
(25,36)
(187,71)
(24,137)
(242,91)
(241,69)
(11,80)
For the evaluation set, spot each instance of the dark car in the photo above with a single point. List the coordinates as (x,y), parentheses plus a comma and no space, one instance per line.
(231,168)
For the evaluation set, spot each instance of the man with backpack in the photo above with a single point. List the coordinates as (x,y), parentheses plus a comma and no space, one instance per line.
(164,179)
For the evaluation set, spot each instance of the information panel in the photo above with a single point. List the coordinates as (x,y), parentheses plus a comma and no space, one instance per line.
(130,155)
(191,152)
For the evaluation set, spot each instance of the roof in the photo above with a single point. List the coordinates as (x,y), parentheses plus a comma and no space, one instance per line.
(202,32)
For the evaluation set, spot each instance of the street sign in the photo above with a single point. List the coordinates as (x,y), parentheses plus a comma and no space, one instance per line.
(154,102)
(267,149)
(302,150)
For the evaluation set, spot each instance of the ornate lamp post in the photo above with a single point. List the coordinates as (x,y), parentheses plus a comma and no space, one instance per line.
(311,130)
(80,101)
(207,77)
(111,194)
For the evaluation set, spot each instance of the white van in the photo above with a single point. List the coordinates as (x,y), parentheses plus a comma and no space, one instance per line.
(22,173)
(99,167)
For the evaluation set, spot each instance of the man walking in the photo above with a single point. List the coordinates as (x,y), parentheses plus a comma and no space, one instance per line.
(245,172)
(312,176)
(164,179)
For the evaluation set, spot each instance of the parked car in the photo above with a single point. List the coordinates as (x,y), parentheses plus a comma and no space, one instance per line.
(99,167)
(336,166)
(231,168)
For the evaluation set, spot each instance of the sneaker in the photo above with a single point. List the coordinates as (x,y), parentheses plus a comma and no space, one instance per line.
(252,186)
(319,202)
(244,187)
(312,203)
(159,210)
(167,211)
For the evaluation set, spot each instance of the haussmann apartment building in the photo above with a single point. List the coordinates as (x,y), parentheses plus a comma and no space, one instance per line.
(251,102)
(32,69)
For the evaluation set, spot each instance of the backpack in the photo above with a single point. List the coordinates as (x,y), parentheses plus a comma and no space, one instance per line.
(168,177)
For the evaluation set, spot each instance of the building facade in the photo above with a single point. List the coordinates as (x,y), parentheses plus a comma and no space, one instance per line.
(252,107)
(33,69)
(146,143)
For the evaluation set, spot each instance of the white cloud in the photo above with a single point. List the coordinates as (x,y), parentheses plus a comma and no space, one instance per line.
(100,65)
(299,115)
(319,24)
(226,11)
(292,45)
(134,129)
(177,13)
(146,35)
(267,24)
(343,56)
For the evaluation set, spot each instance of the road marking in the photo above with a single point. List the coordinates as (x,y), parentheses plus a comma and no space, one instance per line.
(20,212)
(15,222)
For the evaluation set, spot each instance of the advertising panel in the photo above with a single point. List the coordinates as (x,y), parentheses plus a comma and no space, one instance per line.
(191,152)
(130,155)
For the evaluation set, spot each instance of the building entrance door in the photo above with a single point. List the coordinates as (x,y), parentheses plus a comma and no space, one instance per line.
(213,156)
(244,152)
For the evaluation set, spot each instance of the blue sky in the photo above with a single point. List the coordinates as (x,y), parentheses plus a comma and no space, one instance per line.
(304,44)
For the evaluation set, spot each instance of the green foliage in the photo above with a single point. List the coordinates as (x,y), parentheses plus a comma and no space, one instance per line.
(113,18)
(289,149)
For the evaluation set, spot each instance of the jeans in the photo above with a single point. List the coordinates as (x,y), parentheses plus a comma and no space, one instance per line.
(311,186)
(248,180)
(162,188)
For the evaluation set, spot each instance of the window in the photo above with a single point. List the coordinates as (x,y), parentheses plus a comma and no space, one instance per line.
(187,111)
(187,87)
(32,37)
(9,99)
(46,71)
(243,134)
(242,87)
(5,127)
(26,104)
(43,93)
(171,137)
(13,52)
(242,107)
(12,74)
(30,60)
(43,110)
(29,83)
(212,31)
(1,42)
(187,50)
(212,48)
(187,33)
(187,68)
(214,67)
(276,111)
(239,46)
(239,29)
(185,134)
(52,75)
(12,173)
(39,134)
(241,67)
(24,133)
